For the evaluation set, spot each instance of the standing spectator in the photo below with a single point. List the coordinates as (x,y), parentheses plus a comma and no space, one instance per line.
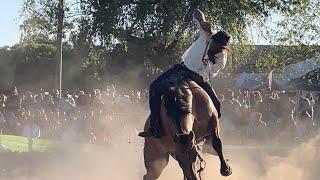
(13,101)
(31,130)
(3,124)
(3,101)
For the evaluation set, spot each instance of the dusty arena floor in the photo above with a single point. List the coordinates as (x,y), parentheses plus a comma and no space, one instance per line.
(125,161)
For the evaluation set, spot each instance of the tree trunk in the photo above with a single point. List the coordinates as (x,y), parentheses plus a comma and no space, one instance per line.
(58,76)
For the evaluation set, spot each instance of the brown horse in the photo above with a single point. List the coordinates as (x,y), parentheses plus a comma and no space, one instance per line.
(188,118)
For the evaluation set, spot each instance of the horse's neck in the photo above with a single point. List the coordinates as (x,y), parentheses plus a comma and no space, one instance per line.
(200,97)
(202,106)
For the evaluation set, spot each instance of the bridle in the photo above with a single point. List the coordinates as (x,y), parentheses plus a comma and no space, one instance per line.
(205,61)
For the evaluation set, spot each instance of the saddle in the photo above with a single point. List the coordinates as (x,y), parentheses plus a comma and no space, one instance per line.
(178,79)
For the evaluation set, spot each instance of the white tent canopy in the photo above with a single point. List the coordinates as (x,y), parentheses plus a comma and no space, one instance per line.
(285,79)
(251,81)
(293,76)
(294,71)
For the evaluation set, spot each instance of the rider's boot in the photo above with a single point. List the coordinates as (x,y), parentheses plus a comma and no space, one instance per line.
(148,133)
(152,130)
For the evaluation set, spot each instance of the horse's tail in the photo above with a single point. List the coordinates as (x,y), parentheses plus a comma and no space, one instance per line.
(177,101)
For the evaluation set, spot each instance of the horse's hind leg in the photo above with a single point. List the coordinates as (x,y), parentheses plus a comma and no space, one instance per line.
(217,146)
(154,160)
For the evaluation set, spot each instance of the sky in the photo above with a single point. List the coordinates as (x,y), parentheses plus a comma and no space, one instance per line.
(10,21)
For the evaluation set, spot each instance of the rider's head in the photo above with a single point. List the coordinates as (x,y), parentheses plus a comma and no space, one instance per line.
(220,42)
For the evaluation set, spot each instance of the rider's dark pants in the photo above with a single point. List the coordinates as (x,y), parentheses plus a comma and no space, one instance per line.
(155,92)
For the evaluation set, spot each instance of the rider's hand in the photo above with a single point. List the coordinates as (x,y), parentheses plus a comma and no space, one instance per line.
(199,16)
(206,26)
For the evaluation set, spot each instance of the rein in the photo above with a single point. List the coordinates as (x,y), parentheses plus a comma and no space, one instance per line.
(202,161)
(205,61)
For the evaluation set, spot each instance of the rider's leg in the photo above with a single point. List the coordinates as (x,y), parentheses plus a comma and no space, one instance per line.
(206,86)
(155,102)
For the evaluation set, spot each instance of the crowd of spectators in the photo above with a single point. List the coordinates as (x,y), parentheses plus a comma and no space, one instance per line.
(90,116)
(76,116)
(270,117)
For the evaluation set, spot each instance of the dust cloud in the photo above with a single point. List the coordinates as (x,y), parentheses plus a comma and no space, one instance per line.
(299,163)
(123,160)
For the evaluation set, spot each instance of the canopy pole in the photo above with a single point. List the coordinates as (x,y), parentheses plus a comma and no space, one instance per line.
(298,104)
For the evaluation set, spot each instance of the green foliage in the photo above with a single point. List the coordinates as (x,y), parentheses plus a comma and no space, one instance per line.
(95,62)
(269,61)
(39,20)
(33,52)
(301,26)
(298,32)
(267,58)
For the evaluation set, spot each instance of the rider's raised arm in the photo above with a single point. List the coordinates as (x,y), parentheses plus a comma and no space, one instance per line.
(205,31)
(203,26)
(193,56)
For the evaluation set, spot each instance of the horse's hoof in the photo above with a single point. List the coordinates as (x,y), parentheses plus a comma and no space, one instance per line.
(226,171)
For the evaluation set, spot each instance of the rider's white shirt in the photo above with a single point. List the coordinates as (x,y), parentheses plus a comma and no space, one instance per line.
(192,57)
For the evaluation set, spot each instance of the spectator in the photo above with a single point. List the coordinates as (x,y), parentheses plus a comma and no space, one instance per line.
(85,116)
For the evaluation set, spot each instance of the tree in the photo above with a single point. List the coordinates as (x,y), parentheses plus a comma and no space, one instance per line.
(295,37)
(110,37)
(44,25)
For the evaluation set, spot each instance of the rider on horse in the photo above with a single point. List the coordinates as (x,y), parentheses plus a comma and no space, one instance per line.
(204,58)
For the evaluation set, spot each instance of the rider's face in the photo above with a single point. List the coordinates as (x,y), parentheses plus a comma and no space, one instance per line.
(213,50)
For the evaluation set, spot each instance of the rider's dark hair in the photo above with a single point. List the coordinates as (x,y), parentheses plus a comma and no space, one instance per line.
(219,41)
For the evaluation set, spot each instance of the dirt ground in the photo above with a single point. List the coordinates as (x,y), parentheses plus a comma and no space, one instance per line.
(124,161)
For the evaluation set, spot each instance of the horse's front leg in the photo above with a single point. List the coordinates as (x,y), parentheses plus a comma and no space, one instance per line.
(155,159)
(225,169)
